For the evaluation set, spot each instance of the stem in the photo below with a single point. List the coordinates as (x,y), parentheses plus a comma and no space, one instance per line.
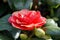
(35,4)
(31,35)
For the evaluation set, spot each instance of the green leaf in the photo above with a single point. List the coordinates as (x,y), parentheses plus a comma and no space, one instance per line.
(4,25)
(19,4)
(55,38)
(54,3)
(58,13)
(15,33)
(52,28)
(51,22)
(5,35)
(2,9)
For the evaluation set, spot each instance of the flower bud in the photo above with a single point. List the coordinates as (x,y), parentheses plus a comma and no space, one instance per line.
(48,39)
(23,36)
(39,32)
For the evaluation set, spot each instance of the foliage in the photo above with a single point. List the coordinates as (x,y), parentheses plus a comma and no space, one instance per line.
(48,8)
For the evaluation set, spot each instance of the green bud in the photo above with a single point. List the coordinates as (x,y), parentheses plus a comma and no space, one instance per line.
(23,36)
(48,39)
(39,32)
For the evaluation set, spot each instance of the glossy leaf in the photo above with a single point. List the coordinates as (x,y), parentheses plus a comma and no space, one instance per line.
(52,29)
(58,13)
(15,33)
(2,9)
(19,4)
(4,25)
(5,35)
(51,22)
(54,3)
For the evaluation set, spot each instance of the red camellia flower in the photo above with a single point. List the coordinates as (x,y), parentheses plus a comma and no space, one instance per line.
(27,19)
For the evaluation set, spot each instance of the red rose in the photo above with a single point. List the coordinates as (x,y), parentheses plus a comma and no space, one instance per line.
(27,19)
